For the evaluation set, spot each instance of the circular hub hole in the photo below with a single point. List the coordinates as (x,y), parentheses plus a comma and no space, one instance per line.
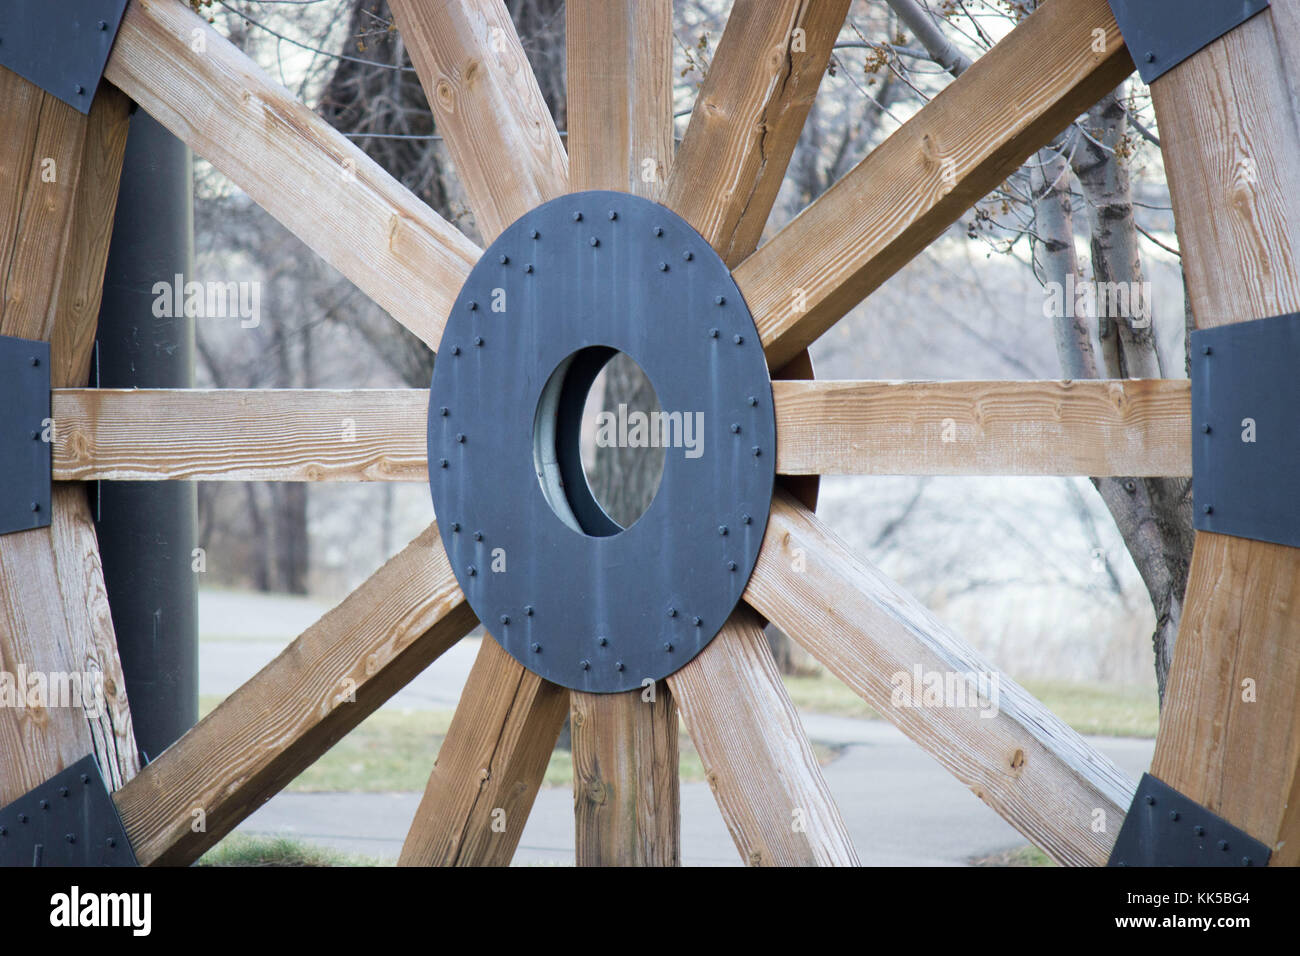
(598,445)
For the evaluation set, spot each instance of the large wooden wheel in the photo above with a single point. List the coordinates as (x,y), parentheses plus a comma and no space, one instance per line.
(1024,762)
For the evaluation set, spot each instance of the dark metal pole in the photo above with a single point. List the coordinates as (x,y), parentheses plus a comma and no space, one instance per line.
(147,529)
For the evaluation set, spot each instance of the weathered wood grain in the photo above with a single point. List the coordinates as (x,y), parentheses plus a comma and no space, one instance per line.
(918,182)
(1126,428)
(620,100)
(241,434)
(748,116)
(487,105)
(293,164)
(54,620)
(1013,753)
(490,766)
(626,794)
(756,756)
(333,676)
(1230,726)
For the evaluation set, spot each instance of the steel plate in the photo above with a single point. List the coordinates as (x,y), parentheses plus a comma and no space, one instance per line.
(602,609)
(1246,429)
(24,436)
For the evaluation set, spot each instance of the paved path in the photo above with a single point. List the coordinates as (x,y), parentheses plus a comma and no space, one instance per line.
(901,808)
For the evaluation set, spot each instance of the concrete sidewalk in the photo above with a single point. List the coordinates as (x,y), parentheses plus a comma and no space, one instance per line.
(901,808)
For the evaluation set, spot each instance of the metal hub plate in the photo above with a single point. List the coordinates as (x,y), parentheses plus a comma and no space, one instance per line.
(565,591)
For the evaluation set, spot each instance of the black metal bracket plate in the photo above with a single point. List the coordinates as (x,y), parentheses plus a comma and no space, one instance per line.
(1246,429)
(586,606)
(61,47)
(69,820)
(1165,828)
(1160,34)
(25,439)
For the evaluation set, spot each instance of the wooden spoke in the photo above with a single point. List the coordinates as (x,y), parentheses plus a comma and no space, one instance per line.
(1017,756)
(58,184)
(748,117)
(912,187)
(333,676)
(240,434)
(759,762)
(620,94)
(626,793)
(1126,428)
(487,105)
(310,177)
(1230,727)
(490,766)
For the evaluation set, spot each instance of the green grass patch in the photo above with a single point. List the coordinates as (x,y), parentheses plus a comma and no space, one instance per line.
(394,750)
(1101,709)
(1020,856)
(240,849)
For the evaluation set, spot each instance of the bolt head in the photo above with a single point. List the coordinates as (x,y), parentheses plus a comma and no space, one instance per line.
(1150,57)
(535,647)
(663,267)
(585,665)
(752,401)
(735,428)
(478,535)
(455,526)
(672,612)
(668,647)
(613,215)
(697,621)
(1207,350)
(535,234)
(731,565)
(659,230)
(594,241)
(577,216)
(460,438)
(471,570)
(36,506)
(738,339)
(528,610)
(478,341)
(603,641)
(505,618)
(1223,845)
(618,666)
(443,463)
(757,451)
(529,268)
(713,333)
(444,411)
(688,255)
(1208,509)
(503,259)
(722,529)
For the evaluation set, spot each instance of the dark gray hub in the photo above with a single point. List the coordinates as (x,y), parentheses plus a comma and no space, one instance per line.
(565,590)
